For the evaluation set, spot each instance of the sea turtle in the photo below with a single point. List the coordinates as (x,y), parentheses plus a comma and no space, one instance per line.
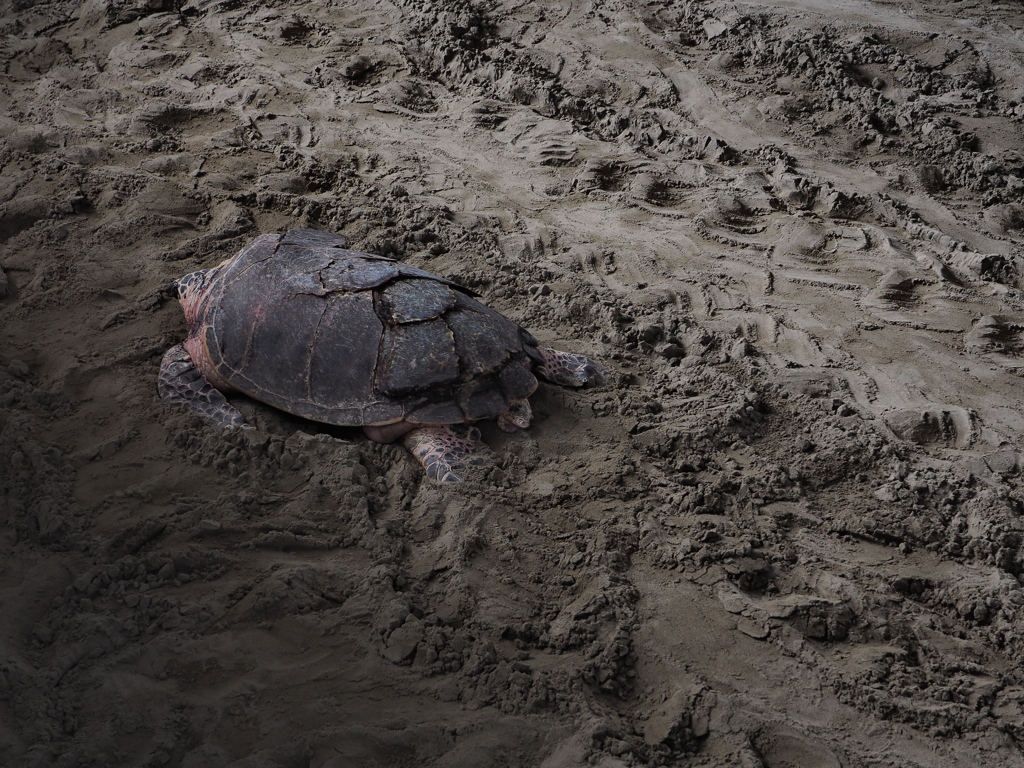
(332,335)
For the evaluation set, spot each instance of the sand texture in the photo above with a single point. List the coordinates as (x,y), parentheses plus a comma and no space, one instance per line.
(787,533)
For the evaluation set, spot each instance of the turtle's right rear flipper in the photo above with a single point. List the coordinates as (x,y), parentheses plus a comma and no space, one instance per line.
(181,383)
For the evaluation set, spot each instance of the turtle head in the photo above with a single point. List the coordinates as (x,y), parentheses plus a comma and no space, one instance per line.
(190,290)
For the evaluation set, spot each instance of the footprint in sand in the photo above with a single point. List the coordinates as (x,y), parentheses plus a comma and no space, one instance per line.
(944,426)
(916,299)
(998,338)
(603,174)
(731,220)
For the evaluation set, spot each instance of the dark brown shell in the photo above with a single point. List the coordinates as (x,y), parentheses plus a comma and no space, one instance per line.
(332,335)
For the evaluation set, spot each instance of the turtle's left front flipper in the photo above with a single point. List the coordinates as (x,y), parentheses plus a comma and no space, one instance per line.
(181,383)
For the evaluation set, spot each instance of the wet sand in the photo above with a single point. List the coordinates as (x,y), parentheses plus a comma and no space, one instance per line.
(786,533)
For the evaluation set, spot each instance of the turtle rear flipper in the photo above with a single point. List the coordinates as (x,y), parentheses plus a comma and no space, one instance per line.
(569,370)
(444,450)
(181,383)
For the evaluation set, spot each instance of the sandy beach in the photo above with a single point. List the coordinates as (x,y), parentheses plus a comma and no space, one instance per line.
(786,533)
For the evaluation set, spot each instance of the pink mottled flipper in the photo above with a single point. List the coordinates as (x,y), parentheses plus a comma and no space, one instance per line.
(569,370)
(443,450)
(181,383)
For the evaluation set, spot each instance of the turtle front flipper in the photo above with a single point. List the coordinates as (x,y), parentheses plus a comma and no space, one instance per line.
(444,450)
(569,370)
(181,383)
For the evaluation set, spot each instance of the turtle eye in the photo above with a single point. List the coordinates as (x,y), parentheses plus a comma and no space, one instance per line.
(191,285)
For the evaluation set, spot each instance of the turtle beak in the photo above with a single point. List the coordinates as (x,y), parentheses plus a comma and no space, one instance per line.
(177,292)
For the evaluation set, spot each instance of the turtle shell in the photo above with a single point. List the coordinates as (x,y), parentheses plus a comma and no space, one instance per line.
(303,324)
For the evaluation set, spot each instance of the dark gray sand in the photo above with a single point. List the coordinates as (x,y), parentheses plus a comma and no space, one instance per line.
(787,534)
